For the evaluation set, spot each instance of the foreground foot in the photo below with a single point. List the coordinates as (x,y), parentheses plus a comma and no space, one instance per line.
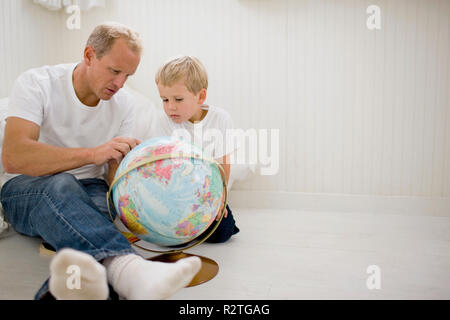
(135,278)
(75,275)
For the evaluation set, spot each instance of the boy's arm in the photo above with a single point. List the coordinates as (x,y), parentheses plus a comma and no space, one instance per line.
(225,163)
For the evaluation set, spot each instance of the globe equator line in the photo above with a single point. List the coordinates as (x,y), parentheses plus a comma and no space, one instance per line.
(171,237)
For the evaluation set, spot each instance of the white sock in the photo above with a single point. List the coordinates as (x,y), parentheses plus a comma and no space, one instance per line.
(75,275)
(135,278)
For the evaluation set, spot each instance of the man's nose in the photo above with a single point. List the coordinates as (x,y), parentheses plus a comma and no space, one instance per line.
(120,80)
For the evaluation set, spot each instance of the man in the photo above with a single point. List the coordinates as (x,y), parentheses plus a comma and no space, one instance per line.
(65,124)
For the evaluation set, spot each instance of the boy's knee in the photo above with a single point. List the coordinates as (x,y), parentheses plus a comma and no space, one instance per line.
(222,234)
(225,230)
(219,236)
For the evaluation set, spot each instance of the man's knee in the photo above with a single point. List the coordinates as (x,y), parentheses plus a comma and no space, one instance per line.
(62,183)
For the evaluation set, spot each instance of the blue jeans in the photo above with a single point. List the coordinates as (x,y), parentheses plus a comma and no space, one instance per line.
(65,212)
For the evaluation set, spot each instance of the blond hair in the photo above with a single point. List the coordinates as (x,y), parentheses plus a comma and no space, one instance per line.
(187,67)
(103,37)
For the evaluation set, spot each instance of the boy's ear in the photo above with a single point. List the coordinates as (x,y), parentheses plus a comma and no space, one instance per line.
(202,96)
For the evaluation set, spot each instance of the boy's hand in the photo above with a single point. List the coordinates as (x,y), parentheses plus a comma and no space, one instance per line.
(220,211)
(221,208)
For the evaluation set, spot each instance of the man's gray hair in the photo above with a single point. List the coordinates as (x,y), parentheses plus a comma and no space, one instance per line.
(104,35)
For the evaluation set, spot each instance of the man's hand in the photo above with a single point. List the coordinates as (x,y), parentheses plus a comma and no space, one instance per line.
(115,149)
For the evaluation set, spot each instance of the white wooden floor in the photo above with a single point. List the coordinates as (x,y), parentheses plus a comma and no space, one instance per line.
(292,255)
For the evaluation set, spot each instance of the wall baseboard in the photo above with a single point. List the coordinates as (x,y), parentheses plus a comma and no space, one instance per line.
(340,203)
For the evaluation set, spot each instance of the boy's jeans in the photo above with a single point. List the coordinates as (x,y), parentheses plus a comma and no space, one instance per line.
(65,212)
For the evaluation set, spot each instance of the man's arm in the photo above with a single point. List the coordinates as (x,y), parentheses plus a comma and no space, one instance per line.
(23,154)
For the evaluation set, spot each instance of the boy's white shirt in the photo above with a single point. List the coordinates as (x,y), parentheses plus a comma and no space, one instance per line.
(46,96)
(204,133)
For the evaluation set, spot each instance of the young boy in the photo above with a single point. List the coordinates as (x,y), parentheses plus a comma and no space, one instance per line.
(182,84)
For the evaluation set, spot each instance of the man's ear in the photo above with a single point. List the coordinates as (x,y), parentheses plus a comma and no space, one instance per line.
(89,55)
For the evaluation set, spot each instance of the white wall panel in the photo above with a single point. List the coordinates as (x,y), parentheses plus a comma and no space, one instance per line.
(29,37)
(359,111)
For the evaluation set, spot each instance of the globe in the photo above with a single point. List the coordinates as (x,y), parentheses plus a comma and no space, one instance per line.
(166,193)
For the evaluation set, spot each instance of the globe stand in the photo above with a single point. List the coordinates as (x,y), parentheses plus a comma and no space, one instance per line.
(209,268)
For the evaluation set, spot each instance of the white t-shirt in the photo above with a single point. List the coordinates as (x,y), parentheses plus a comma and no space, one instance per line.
(46,96)
(210,133)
